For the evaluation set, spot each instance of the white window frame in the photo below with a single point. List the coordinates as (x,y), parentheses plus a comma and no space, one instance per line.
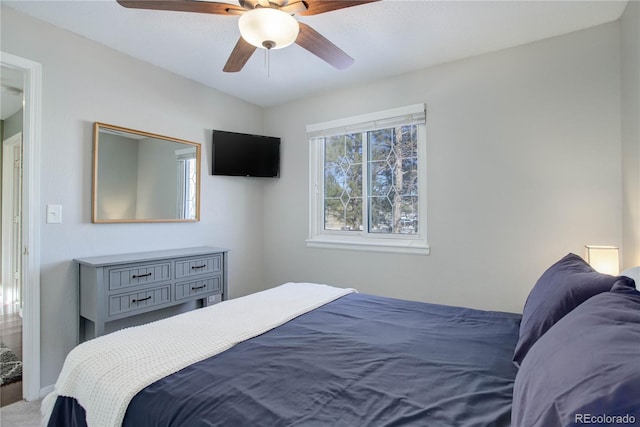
(186,163)
(365,240)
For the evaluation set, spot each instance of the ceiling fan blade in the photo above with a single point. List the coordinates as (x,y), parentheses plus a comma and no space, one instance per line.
(248,4)
(239,56)
(317,44)
(294,7)
(315,7)
(214,8)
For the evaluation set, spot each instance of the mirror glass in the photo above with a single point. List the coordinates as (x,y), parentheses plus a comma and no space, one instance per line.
(144,177)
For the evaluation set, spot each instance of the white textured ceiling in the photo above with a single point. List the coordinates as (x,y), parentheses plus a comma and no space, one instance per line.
(386,38)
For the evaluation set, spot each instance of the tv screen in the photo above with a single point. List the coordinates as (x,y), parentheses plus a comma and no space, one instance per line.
(241,154)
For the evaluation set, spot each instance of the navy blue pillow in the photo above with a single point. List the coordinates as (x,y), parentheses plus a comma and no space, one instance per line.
(586,368)
(564,286)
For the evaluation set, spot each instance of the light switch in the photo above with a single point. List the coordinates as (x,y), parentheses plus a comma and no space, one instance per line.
(54,214)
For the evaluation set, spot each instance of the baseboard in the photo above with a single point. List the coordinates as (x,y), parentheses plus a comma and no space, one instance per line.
(46,390)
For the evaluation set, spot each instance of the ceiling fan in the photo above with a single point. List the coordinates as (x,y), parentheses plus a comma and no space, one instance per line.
(266,24)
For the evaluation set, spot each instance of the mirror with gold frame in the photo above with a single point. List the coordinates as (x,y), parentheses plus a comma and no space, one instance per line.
(143,177)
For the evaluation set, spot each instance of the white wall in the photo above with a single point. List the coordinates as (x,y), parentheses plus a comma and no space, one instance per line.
(630,120)
(523,150)
(84,82)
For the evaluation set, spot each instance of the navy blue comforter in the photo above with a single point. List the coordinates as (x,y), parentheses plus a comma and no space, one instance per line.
(358,361)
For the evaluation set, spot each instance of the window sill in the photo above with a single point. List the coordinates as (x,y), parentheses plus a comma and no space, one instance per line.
(412,247)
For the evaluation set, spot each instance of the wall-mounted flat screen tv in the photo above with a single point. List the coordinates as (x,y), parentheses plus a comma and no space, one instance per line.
(241,154)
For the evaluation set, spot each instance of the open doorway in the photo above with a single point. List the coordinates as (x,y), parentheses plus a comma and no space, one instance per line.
(11,286)
(20,269)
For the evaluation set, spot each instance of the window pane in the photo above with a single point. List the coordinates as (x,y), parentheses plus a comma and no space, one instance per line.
(333,214)
(393,180)
(343,182)
(187,188)
(334,181)
(380,144)
(341,215)
(192,188)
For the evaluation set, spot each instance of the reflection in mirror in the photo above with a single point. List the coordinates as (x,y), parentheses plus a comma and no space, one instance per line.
(144,177)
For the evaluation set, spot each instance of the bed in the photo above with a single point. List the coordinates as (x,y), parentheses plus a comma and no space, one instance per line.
(314,355)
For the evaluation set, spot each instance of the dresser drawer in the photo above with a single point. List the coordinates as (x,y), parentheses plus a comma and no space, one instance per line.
(120,278)
(197,287)
(125,303)
(201,265)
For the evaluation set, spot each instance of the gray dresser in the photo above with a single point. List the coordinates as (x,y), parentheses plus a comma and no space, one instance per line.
(116,287)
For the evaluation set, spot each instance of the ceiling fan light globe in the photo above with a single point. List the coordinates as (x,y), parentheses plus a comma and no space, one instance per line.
(263,27)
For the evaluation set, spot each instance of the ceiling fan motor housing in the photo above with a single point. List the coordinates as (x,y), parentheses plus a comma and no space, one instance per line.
(268,28)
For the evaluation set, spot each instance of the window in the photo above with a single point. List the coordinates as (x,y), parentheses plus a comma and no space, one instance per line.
(187,187)
(368,182)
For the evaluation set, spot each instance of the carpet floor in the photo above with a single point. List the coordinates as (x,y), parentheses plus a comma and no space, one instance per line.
(21,414)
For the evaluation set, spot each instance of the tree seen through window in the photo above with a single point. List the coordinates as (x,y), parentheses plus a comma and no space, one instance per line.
(390,167)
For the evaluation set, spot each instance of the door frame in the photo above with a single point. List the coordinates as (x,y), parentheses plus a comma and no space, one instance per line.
(32,133)
(8,209)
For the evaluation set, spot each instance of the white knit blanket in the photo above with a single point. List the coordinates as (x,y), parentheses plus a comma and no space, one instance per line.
(105,373)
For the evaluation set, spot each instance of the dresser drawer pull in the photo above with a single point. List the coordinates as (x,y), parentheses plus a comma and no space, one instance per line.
(195,267)
(140,300)
(195,288)
(135,276)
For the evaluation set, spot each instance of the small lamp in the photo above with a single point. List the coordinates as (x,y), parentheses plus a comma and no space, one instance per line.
(268,28)
(603,259)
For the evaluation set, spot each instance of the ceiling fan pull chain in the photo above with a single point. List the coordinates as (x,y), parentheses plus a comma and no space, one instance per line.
(268,45)
(266,62)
